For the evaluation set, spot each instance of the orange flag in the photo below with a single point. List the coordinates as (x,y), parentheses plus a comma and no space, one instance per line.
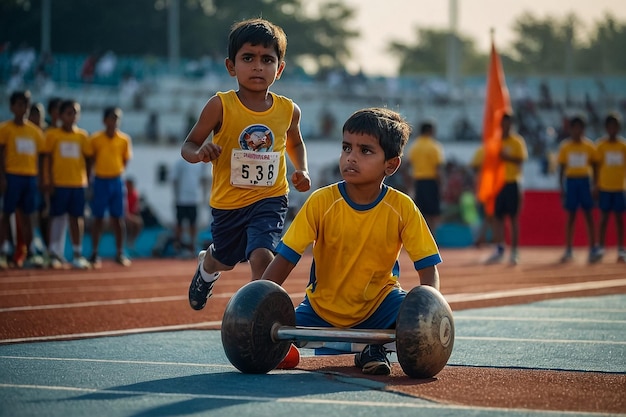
(497,103)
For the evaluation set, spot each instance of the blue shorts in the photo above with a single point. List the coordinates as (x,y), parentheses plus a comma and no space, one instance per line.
(427,197)
(21,192)
(67,200)
(612,201)
(236,233)
(108,195)
(383,318)
(578,194)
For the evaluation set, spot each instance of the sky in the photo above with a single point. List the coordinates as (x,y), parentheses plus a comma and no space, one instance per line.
(381,21)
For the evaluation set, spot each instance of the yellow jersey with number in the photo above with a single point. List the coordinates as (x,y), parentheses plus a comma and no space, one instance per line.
(611,164)
(253,152)
(577,157)
(68,150)
(22,146)
(356,249)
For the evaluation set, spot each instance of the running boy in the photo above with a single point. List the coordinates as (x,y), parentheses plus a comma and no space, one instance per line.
(611,183)
(358,227)
(70,153)
(577,167)
(21,160)
(252,128)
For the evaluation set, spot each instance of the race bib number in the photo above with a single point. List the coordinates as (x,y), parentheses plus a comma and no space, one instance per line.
(577,160)
(25,146)
(614,159)
(253,169)
(69,150)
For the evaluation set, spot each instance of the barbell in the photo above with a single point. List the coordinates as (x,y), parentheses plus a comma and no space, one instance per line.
(258,327)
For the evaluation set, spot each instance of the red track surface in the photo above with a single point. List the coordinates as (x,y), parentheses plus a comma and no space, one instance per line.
(152,295)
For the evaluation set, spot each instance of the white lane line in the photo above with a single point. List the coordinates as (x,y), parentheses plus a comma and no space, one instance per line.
(163,274)
(88,289)
(417,404)
(539,319)
(125,362)
(114,332)
(539,341)
(552,289)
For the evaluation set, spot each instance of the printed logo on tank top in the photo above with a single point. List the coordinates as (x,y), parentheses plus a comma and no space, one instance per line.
(258,138)
(254,165)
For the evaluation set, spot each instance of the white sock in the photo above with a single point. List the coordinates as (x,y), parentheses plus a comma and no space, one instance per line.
(57,229)
(208,277)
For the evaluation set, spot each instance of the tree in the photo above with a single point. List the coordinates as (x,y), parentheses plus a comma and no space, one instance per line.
(601,54)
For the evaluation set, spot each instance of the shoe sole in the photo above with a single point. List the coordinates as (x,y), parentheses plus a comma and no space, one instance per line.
(376,368)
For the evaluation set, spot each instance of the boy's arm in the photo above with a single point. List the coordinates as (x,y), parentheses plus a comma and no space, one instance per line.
(278,270)
(297,153)
(429,276)
(196,148)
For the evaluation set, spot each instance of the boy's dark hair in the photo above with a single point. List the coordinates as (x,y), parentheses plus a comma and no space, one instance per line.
(53,103)
(613,117)
(65,104)
(257,32)
(427,127)
(19,95)
(388,126)
(108,111)
(577,119)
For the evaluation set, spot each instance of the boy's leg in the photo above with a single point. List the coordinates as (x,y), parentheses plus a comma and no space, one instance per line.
(569,236)
(202,282)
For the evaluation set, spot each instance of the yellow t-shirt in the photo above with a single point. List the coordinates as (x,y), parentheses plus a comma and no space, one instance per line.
(611,157)
(425,156)
(253,148)
(68,151)
(514,146)
(577,158)
(355,249)
(22,146)
(477,160)
(110,153)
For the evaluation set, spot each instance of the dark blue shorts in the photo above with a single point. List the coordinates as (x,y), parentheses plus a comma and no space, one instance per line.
(236,233)
(612,201)
(21,192)
(427,197)
(108,195)
(383,318)
(578,194)
(67,200)
(508,201)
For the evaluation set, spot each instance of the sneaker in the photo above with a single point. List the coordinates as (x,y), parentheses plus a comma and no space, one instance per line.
(199,289)
(33,261)
(81,263)
(595,255)
(567,256)
(4,263)
(621,256)
(57,262)
(123,260)
(496,257)
(95,261)
(291,360)
(373,360)
(514,260)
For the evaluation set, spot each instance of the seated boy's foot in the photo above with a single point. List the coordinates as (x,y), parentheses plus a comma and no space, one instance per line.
(123,260)
(373,360)
(199,289)
(291,360)
(95,261)
(81,263)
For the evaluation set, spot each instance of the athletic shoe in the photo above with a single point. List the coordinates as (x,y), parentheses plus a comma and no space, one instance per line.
(621,256)
(496,257)
(34,261)
(373,360)
(81,263)
(95,261)
(291,360)
(123,260)
(514,260)
(57,262)
(199,289)
(567,256)
(595,255)
(4,263)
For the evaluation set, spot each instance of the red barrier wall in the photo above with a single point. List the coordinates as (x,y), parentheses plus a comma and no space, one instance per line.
(542,222)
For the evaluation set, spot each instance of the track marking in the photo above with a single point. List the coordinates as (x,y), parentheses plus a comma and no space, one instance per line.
(538,341)
(538,319)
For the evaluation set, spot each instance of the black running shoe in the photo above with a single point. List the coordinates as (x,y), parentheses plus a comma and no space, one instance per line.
(199,289)
(373,360)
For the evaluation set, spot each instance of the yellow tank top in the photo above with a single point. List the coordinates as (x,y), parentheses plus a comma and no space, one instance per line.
(252,165)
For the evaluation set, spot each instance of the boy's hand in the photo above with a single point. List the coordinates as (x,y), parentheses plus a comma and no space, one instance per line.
(301,180)
(208,152)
